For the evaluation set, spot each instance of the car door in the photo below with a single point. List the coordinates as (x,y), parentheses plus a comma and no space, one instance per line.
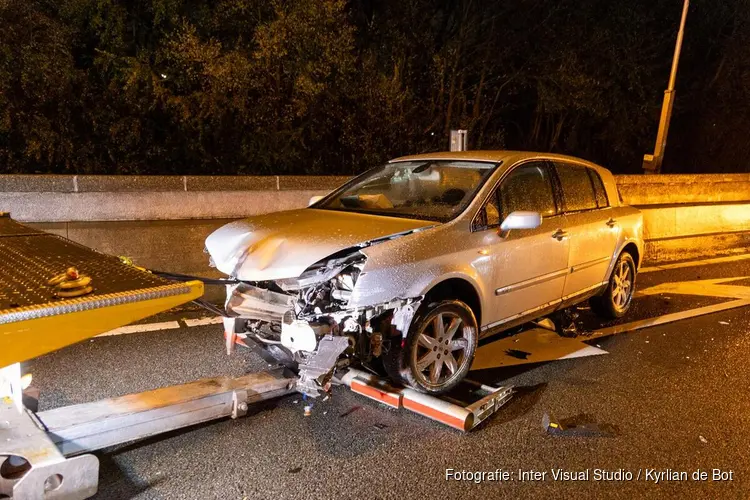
(528,265)
(590,225)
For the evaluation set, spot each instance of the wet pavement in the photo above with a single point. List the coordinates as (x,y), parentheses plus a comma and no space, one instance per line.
(676,396)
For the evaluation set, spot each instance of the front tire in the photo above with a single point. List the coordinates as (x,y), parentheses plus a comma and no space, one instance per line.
(615,301)
(438,350)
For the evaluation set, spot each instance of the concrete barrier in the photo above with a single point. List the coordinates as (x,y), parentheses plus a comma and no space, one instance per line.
(149,206)
(162,221)
(680,232)
(691,216)
(174,245)
(684,188)
(88,198)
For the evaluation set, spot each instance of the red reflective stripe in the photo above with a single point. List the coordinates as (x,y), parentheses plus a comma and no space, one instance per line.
(389,398)
(237,340)
(434,414)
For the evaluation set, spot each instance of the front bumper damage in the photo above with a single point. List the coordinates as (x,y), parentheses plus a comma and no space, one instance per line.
(297,273)
(315,375)
(316,342)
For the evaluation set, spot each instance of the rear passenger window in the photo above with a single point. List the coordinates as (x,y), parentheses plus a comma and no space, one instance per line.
(577,187)
(601,194)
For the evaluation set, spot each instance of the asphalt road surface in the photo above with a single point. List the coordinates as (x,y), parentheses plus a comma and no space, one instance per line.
(675,395)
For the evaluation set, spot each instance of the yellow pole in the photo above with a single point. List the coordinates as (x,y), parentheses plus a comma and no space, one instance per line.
(652,163)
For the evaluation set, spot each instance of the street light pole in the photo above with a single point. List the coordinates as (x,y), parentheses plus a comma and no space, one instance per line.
(652,163)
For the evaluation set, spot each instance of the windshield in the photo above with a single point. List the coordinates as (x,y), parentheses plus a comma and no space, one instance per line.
(429,189)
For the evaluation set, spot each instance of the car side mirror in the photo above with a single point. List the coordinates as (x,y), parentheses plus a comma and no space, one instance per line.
(521,220)
(314,200)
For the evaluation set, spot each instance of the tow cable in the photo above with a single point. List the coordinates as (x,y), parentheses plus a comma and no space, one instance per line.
(210,307)
(213,308)
(187,277)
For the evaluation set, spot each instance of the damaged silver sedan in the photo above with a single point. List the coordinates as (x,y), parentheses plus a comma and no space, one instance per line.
(404,268)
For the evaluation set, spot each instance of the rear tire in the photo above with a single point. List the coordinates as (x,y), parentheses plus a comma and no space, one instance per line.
(615,300)
(438,351)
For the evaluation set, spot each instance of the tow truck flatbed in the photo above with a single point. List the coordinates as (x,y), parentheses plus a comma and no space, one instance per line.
(34,322)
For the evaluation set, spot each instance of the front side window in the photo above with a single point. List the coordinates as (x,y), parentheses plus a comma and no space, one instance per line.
(489,215)
(527,188)
(577,188)
(428,189)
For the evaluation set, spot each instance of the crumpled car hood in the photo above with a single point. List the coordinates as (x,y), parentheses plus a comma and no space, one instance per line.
(284,244)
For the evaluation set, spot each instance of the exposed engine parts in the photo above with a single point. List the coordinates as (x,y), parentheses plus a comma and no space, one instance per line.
(306,321)
(256,302)
(332,294)
(316,373)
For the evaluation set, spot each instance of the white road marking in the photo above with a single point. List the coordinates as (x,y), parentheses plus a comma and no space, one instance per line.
(693,263)
(669,318)
(203,321)
(164,325)
(586,351)
(703,288)
(10,384)
(148,327)
(535,345)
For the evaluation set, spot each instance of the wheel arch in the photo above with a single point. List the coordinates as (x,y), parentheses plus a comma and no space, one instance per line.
(457,288)
(632,249)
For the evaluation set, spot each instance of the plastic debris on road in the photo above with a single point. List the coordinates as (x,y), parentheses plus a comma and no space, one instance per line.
(582,425)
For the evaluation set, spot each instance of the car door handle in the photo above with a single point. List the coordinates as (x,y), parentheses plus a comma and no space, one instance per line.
(611,222)
(560,235)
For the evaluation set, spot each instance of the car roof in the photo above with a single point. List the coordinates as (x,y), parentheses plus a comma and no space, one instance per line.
(509,157)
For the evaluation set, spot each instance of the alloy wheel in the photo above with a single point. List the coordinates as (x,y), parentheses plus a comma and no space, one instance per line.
(441,348)
(622,290)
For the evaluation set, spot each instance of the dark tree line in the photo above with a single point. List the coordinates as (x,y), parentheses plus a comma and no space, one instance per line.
(334,86)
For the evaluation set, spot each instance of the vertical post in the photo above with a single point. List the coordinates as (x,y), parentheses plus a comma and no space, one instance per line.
(652,163)
(458,140)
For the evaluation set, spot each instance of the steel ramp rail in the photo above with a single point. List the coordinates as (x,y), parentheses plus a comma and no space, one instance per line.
(92,426)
